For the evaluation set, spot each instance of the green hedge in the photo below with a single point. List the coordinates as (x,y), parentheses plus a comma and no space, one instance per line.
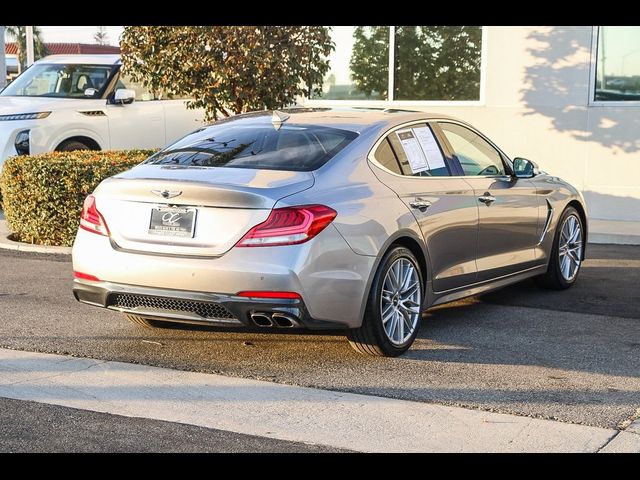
(43,194)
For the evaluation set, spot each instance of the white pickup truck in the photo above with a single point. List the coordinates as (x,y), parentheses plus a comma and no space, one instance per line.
(72,102)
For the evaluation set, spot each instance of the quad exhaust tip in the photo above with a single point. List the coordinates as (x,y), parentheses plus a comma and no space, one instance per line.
(262,319)
(280,320)
(283,321)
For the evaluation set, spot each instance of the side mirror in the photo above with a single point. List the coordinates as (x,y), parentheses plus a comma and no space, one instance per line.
(124,96)
(523,168)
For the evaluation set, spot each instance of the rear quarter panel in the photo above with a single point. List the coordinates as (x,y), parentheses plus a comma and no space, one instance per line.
(370,215)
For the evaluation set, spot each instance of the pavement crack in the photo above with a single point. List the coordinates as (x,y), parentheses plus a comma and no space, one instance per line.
(609,440)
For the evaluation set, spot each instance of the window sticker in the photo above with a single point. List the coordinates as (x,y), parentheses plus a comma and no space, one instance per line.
(415,155)
(430,147)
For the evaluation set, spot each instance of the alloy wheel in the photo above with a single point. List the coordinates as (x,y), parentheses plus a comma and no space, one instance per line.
(570,248)
(401,301)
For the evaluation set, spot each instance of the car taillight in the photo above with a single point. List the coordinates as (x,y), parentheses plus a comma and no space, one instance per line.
(289,226)
(91,219)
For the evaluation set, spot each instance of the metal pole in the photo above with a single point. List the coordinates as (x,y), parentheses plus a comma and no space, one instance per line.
(3,63)
(392,64)
(602,59)
(30,55)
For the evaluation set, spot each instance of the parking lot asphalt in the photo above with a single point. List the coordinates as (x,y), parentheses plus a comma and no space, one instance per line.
(573,356)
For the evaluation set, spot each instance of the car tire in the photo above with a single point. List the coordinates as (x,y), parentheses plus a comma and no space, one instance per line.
(72,145)
(556,277)
(373,337)
(146,322)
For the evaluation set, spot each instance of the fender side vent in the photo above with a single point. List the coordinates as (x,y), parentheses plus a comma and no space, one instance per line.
(93,113)
(547,223)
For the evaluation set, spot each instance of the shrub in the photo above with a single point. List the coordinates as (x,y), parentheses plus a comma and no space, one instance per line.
(43,194)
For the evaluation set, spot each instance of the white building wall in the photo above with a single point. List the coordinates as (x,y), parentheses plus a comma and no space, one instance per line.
(536,105)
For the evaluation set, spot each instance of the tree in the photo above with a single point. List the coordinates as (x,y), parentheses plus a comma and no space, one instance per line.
(19,35)
(101,37)
(431,63)
(227,69)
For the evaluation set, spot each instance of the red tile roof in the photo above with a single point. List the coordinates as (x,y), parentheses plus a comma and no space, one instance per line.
(67,48)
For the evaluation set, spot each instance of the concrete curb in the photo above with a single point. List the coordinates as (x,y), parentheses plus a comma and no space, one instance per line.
(300,414)
(614,238)
(614,232)
(7,244)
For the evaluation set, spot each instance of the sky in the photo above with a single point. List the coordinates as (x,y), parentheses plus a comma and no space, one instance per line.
(75,34)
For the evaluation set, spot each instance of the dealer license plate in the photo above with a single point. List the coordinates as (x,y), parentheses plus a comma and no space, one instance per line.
(173,221)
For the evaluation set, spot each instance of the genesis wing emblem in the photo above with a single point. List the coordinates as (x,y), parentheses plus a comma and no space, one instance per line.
(167,193)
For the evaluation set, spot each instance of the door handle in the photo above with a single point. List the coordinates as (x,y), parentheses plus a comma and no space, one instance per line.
(487,199)
(421,205)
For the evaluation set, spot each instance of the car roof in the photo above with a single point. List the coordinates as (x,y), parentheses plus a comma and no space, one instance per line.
(353,119)
(97,59)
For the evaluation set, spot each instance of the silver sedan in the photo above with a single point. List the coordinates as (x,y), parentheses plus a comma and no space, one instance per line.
(324,219)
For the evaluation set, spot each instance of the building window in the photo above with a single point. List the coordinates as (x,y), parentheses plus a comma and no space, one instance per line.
(359,64)
(437,63)
(429,63)
(618,64)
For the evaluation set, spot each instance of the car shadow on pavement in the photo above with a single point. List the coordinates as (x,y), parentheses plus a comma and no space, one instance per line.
(608,285)
(479,333)
(593,327)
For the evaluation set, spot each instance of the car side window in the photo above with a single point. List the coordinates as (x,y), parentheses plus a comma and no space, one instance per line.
(143,94)
(418,151)
(384,156)
(477,157)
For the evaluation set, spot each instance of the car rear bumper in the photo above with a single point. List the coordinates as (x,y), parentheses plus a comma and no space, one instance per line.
(331,279)
(198,307)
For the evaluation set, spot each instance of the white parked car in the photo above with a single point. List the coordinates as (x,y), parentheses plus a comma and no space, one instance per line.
(72,102)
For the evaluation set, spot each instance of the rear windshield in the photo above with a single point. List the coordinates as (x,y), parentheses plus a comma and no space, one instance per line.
(292,147)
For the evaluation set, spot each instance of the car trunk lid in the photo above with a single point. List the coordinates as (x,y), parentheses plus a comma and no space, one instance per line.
(226,203)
